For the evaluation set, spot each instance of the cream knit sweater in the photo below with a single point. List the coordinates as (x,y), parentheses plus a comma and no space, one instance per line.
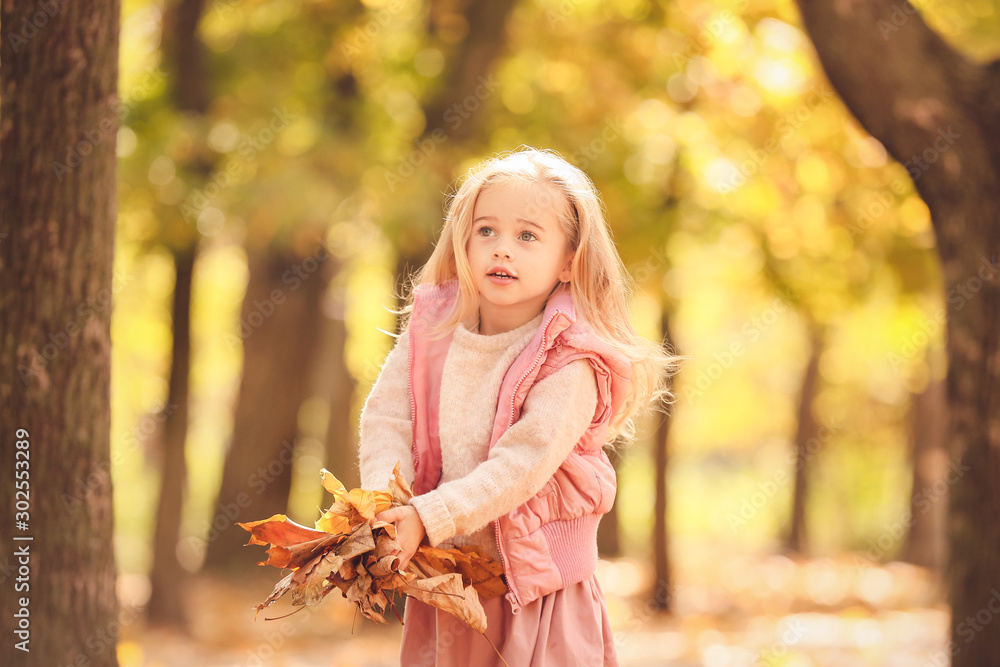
(476,486)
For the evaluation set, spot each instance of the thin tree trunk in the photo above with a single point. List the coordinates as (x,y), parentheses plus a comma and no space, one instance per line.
(167,577)
(939,114)
(608,542)
(662,598)
(58,103)
(925,541)
(805,439)
(341,449)
(280,327)
(185,54)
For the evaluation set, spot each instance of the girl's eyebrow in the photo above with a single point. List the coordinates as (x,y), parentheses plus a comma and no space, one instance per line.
(522,220)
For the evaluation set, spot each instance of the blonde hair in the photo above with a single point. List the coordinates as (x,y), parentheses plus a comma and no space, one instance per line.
(600,285)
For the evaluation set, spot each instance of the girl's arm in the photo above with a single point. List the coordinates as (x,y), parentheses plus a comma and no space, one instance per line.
(556,413)
(386,429)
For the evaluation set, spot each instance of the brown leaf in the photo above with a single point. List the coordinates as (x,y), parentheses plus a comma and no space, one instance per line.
(311,583)
(384,566)
(311,586)
(481,572)
(347,570)
(361,541)
(401,492)
(360,593)
(476,568)
(385,545)
(280,589)
(390,528)
(446,593)
(393,581)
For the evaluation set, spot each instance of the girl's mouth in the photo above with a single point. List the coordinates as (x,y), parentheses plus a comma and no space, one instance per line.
(499,278)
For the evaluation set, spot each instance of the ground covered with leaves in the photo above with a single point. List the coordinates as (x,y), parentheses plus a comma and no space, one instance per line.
(730,610)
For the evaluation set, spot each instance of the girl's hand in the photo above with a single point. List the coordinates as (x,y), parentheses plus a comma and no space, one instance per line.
(409,530)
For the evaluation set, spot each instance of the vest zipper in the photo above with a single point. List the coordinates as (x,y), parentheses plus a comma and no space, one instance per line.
(413,410)
(538,357)
(516,606)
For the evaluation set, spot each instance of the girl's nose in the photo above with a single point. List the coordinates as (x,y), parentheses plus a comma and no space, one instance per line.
(501,252)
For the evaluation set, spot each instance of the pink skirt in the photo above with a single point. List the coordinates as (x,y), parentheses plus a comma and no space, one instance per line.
(567,627)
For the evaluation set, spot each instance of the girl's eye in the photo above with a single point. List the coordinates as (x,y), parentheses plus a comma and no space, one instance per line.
(484,231)
(528,234)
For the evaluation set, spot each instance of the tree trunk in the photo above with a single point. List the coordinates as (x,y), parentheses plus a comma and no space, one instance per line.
(279,327)
(806,440)
(341,448)
(661,534)
(938,114)
(608,542)
(185,54)
(468,81)
(925,541)
(167,577)
(58,105)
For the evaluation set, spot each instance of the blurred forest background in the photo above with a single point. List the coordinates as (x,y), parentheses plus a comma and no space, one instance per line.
(282,164)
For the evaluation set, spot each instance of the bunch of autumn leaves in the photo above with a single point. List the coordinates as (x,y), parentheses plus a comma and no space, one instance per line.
(352,551)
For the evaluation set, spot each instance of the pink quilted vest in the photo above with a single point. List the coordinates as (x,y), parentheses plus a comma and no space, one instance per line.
(550,541)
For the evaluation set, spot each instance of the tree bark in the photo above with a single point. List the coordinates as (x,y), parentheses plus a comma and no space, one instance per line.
(925,541)
(280,328)
(937,113)
(806,433)
(59,111)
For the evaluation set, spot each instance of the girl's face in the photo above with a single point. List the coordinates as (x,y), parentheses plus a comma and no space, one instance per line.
(517,251)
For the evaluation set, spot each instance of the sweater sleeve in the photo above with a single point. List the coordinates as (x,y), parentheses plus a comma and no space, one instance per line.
(556,413)
(386,431)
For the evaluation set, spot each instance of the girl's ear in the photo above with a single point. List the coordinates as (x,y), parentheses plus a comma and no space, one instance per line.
(567,272)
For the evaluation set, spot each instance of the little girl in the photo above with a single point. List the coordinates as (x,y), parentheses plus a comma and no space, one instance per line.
(517,364)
